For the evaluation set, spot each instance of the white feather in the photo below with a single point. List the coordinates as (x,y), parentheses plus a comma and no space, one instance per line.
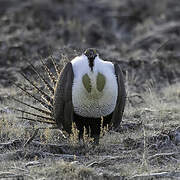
(95,103)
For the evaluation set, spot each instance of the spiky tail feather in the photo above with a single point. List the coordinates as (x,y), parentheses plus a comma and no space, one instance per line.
(36,120)
(49,107)
(49,87)
(33,107)
(48,71)
(45,96)
(33,114)
(55,65)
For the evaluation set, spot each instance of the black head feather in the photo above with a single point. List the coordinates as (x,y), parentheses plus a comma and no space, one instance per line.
(91,55)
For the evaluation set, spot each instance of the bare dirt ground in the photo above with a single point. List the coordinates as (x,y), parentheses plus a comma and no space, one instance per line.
(144,37)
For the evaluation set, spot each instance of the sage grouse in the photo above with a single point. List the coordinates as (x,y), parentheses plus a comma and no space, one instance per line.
(87,89)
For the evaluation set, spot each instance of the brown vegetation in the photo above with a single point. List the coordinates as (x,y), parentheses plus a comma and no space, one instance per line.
(144,37)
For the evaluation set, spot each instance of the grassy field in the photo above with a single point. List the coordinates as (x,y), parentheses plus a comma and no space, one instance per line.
(147,143)
(143,37)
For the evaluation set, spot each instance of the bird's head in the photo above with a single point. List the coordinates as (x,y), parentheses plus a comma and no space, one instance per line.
(91,54)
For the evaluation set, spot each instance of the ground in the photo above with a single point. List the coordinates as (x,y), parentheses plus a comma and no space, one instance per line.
(143,36)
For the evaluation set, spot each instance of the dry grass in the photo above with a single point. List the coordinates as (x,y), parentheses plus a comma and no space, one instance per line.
(125,153)
(134,31)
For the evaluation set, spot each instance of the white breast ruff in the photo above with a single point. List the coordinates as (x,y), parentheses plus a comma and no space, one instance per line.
(95,103)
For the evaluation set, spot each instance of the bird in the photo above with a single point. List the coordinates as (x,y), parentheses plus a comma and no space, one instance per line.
(87,90)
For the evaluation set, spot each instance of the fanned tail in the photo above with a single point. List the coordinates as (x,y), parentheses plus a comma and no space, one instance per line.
(47,101)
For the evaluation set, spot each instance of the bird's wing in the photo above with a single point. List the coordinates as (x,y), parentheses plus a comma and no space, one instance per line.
(63,108)
(120,104)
